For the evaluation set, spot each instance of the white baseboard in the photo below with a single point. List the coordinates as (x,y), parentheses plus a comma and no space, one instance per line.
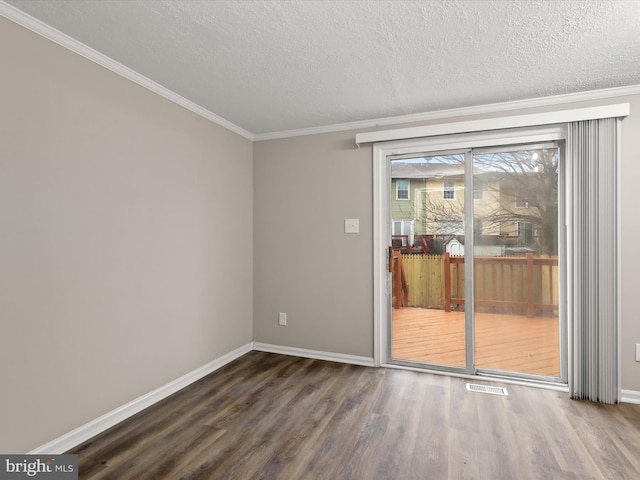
(630,396)
(85,432)
(318,355)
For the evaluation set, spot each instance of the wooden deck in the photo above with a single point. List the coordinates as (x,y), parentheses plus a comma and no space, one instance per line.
(503,342)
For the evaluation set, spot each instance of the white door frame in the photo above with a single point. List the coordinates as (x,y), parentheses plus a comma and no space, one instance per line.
(382,202)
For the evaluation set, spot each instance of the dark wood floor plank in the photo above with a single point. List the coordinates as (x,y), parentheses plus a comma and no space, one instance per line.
(267,416)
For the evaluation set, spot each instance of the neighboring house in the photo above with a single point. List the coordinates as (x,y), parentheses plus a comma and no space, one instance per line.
(427,198)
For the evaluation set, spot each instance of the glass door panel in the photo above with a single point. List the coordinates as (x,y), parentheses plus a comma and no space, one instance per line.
(427,250)
(516,276)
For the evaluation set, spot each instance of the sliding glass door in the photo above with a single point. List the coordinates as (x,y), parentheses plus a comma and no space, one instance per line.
(428,192)
(516,275)
(473,255)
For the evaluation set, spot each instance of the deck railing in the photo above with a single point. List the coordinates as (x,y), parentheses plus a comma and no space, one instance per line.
(527,285)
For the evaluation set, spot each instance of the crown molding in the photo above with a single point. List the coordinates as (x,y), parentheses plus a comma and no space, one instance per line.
(21,18)
(27,21)
(458,112)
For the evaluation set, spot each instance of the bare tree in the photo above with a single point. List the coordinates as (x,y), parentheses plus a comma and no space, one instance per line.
(526,184)
(517,187)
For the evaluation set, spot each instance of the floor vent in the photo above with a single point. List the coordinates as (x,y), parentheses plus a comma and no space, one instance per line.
(471,387)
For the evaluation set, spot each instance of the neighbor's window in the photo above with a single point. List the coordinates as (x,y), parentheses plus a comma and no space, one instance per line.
(402,190)
(525,232)
(403,229)
(449,192)
(478,190)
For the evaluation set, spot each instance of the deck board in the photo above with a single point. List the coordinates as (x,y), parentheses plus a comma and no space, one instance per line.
(512,343)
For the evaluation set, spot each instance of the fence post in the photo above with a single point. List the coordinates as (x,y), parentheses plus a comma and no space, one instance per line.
(530,286)
(404,285)
(395,286)
(447,283)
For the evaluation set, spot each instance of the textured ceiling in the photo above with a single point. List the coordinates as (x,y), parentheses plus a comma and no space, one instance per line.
(272,66)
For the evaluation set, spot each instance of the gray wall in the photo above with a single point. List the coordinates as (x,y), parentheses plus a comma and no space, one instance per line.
(125,241)
(304,263)
(304,188)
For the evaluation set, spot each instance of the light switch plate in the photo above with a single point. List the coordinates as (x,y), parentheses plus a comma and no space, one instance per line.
(637,352)
(351,225)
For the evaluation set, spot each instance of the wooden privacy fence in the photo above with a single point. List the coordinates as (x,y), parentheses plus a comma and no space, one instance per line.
(526,284)
(424,276)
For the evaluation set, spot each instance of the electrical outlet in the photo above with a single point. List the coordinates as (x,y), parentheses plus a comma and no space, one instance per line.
(282,319)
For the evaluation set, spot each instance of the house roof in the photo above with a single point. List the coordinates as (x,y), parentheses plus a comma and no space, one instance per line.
(409,170)
(264,68)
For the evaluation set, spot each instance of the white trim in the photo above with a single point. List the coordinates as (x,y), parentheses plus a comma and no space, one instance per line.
(381,234)
(94,427)
(602,94)
(315,354)
(630,396)
(27,21)
(501,123)
(463,141)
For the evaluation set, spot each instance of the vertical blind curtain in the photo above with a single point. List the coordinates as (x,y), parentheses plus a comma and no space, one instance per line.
(592,163)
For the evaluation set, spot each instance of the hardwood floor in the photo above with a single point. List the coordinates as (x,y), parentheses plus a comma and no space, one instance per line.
(267,416)
(513,343)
